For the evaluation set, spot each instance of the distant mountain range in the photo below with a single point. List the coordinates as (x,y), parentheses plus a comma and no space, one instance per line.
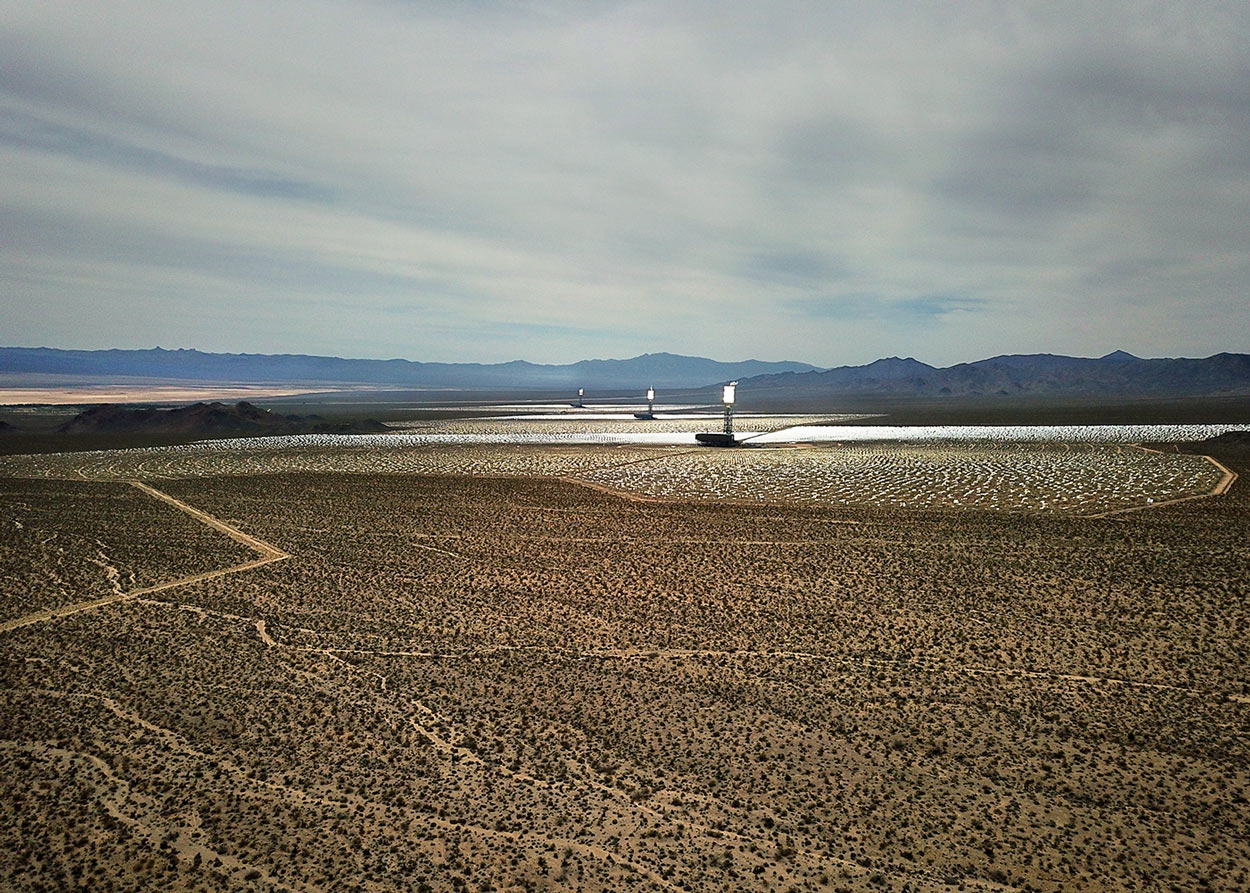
(1117,375)
(661,370)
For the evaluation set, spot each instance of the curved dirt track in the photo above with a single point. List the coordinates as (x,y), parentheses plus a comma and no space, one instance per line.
(1224,484)
(268,553)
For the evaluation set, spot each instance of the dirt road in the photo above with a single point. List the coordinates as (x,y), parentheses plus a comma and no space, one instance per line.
(268,553)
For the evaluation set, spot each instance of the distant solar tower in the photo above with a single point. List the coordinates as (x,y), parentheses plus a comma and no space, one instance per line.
(650,413)
(581,392)
(726,438)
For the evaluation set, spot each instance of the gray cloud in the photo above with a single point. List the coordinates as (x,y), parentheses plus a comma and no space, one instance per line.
(31,133)
(923,309)
(828,182)
(793,266)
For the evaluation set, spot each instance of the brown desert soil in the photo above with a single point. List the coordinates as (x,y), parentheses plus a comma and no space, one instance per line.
(325,681)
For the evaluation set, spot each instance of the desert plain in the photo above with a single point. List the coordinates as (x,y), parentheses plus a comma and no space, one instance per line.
(621,667)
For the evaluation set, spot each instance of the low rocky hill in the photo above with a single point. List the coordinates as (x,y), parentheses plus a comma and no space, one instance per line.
(208,420)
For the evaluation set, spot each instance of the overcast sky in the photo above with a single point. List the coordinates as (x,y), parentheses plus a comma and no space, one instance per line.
(479,181)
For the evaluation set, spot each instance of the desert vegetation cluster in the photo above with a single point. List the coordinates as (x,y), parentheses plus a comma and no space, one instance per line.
(62,543)
(459,682)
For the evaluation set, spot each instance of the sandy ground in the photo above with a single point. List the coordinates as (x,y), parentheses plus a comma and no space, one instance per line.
(457,683)
(560,690)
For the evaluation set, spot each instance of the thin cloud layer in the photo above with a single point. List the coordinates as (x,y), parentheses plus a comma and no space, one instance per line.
(486,181)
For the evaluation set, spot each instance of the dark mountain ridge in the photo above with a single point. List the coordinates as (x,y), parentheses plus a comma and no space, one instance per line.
(1116,375)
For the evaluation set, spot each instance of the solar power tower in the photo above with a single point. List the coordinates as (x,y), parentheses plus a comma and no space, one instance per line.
(724,438)
(650,413)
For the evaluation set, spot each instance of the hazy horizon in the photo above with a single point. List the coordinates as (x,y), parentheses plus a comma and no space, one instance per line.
(620,357)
